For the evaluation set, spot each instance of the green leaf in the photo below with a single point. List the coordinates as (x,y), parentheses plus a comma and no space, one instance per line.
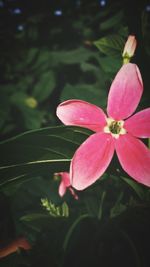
(65,209)
(39,152)
(87,92)
(34,216)
(111,64)
(111,45)
(100,212)
(72,228)
(31,118)
(85,66)
(75,56)
(24,83)
(18,98)
(48,59)
(42,61)
(118,206)
(136,187)
(111,22)
(44,86)
(32,54)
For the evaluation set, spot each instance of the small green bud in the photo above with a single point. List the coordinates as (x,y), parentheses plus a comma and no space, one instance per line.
(31,102)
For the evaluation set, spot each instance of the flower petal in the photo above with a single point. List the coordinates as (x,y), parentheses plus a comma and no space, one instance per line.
(73,193)
(81,113)
(62,189)
(91,160)
(65,178)
(65,182)
(125,92)
(14,246)
(23,243)
(139,124)
(134,158)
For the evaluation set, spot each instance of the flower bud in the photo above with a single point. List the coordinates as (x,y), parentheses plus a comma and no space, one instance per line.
(129,48)
(31,102)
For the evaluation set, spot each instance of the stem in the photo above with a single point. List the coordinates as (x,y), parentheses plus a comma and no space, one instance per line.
(126,60)
(70,231)
(100,211)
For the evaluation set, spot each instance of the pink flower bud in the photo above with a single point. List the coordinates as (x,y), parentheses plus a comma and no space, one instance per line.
(129,47)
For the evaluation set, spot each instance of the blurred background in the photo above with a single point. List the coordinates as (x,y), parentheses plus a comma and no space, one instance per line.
(51,51)
(48,55)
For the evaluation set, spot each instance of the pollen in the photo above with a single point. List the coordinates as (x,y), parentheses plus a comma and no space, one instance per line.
(114,127)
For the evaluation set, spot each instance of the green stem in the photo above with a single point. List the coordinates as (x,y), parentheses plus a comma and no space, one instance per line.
(126,60)
(100,211)
(71,229)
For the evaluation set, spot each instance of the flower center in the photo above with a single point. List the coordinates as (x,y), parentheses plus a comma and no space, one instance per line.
(114,127)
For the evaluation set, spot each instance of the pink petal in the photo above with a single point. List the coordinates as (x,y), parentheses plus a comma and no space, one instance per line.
(65,182)
(62,189)
(65,178)
(134,158)
(73,193)
(81,113)
(91,160)
(139,124)
(125,92)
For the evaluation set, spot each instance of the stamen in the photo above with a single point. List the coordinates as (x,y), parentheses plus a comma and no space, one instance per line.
(114,127)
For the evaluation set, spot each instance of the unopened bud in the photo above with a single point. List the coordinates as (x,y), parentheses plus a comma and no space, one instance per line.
(129,48)
(31,102)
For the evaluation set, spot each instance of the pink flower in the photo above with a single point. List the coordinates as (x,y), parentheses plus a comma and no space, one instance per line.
(65,184)
(118,132)
(129,47)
